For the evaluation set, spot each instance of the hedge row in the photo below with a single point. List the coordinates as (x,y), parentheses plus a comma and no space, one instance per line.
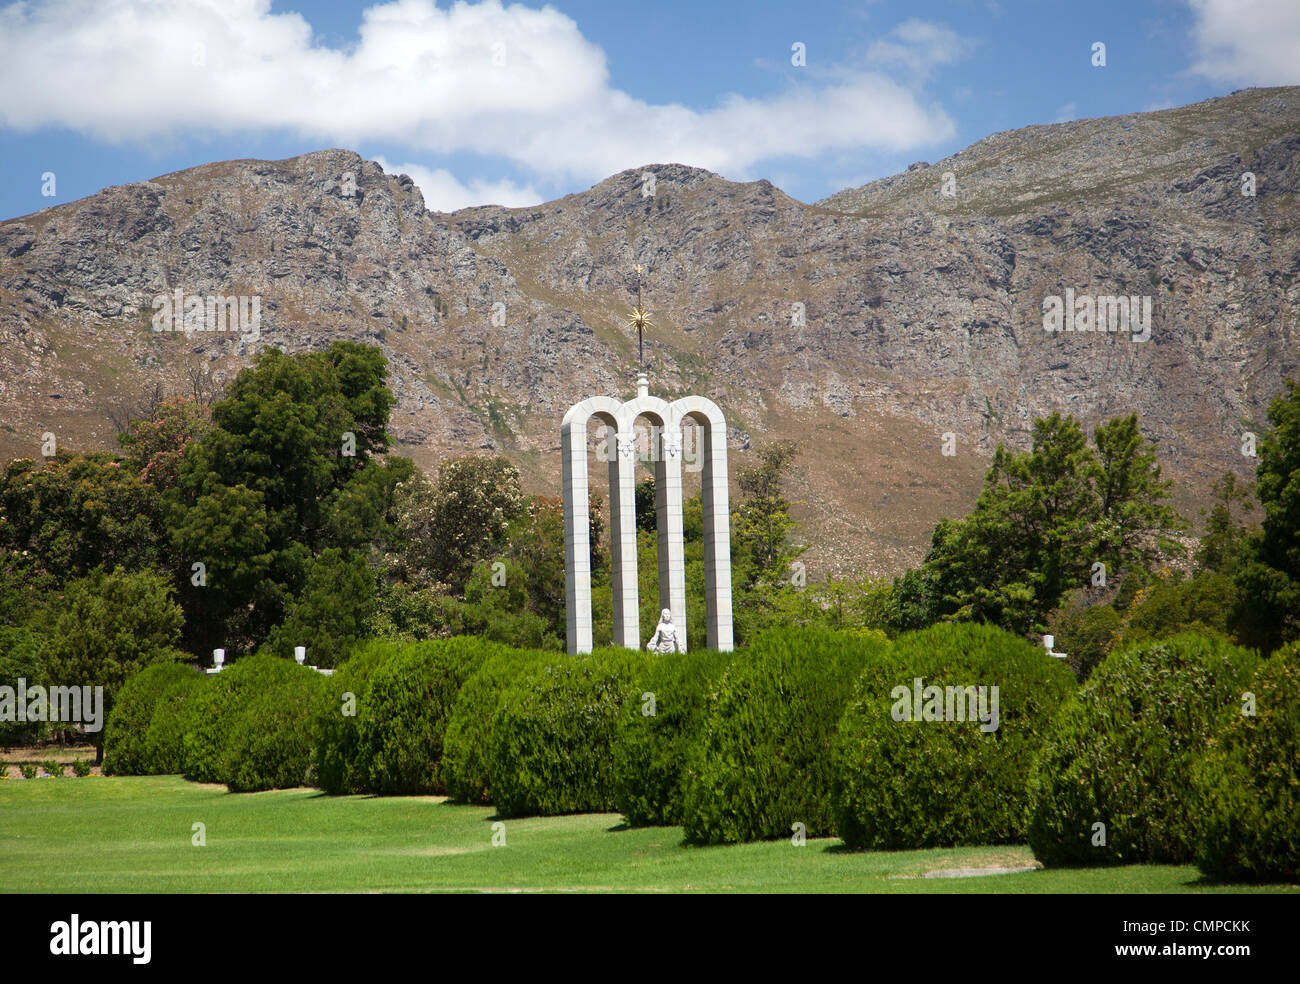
(1176,750)
(658,730)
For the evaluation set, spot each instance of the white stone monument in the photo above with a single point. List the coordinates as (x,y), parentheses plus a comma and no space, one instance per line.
(668,419)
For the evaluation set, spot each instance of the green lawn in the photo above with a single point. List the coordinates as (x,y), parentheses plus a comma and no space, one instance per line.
(134,835)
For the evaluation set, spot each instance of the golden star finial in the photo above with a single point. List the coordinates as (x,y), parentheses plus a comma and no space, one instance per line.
(639,318)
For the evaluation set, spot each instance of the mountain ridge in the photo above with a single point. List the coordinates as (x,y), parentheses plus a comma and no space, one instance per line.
(922,312)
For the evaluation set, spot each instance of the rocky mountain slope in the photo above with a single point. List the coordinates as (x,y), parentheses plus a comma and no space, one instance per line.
(866,326)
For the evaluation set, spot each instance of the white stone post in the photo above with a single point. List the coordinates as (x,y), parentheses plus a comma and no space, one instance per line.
(717,541)
(668,523)
(577,538)
(622,541)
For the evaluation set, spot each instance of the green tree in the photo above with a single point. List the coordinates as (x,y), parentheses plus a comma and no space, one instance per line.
(155,447)
(77,512)
(111,626)
(762,518)
(1041,521)
(1226,532)
(1135,523)
(1269,576)
(277,470)
(449,526)
(332,611)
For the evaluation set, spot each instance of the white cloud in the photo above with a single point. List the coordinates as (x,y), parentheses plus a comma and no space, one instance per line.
(503,82)
(1247,42)
(918,47)
(444,192)
(1068,112)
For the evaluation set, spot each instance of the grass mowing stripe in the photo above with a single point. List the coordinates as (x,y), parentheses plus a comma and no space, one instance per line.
(133,834)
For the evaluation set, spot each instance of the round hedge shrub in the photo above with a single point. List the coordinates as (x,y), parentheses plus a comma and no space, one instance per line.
(269,745)
(206,719)
(126,751)
(552,738)
(411,696)
(651,750)
(469,729)
(1247,786)
(337,718)
(1120,753)
(215,717)
(164,742)
(762,763)
(947,776)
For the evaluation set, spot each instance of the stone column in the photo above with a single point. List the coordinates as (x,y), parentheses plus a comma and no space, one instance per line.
(668,519)
(622,541)
(577,539)
(717,541)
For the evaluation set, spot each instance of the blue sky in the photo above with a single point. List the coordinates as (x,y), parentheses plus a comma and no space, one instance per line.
(520,103)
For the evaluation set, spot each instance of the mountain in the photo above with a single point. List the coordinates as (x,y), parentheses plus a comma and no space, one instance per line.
(922,311)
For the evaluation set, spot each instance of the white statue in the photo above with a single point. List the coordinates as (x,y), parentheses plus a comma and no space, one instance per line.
(665,638)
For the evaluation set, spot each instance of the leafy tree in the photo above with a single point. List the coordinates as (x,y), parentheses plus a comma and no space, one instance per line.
(1133,528)
(535,543)
(364,512)
(448,527)
(762,518)
(1225,530)
(330,615)
(1269,576)
(226,531)
(77,512)
(1042,520)
(276,470)
(1172,604)
(155,447)
(646,517)
(1086,633)
(496,607)
(111,626)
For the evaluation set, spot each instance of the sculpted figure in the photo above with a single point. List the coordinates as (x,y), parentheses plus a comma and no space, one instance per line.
(665,638)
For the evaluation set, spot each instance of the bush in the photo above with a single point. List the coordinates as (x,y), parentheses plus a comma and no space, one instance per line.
(411,696)
(337,756)
(470,727)
(206,719)
(126,746)
(218,720)
(551,742)
(1247,787)
(81,768)
(915,783)
(164,742)
(28,770)
(651,750)
(1121,752)
(53,767)
(763,760)
(269,745)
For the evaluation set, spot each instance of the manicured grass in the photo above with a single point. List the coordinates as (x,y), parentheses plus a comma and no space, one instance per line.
(134,835)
